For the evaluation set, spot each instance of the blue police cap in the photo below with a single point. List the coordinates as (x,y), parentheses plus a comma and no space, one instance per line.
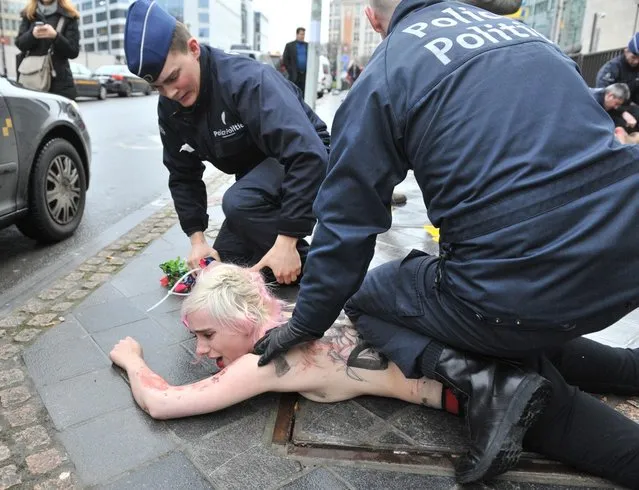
(633,45)
(147,38)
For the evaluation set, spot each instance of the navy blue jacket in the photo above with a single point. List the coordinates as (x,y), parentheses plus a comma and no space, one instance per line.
(617,70)
(477,105)
(245,112)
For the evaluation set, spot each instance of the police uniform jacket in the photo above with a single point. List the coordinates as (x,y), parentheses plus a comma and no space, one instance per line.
(617,70)
(461,96)
(245,113)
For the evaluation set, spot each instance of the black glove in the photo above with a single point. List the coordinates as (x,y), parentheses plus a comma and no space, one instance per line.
(278,341)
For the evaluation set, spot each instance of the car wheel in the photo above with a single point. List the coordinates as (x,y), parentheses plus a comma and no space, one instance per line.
(102,94)
(127,91)
(57,193)
(148,90)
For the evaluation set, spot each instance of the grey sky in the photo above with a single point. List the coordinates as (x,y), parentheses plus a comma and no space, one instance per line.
(284,16)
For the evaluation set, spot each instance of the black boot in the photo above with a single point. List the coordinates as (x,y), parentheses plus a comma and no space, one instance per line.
(500,401)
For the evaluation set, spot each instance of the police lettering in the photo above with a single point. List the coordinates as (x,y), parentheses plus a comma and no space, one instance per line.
(228,131)
(477,34)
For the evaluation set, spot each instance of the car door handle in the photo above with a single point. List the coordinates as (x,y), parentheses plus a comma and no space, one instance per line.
(8,168)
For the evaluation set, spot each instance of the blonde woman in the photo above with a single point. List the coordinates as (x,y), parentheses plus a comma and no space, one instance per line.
(39,31)
(230,308)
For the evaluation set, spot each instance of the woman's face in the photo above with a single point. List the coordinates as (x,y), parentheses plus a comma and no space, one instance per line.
(223,345)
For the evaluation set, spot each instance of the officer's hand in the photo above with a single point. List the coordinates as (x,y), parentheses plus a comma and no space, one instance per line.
(278,341)
(199,251)
(283,259)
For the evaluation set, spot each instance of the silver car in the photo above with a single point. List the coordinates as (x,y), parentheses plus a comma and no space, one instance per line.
(45,155)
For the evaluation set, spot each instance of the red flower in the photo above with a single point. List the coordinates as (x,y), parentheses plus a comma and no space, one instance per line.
(164,282)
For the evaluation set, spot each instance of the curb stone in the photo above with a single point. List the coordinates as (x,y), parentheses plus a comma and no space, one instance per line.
(30,454)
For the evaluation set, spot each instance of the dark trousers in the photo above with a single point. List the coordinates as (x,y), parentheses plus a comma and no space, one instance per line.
(399,309)
(251,209)
(300,81)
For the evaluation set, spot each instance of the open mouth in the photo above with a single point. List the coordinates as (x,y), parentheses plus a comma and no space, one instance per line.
(219,362)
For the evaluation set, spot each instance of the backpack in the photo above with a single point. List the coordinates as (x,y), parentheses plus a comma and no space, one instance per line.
(36,72)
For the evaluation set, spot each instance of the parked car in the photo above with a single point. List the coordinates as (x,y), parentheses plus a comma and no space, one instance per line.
(119,80)
(85,83)
(276,59)
(324,77)
(45,154)
(264,58)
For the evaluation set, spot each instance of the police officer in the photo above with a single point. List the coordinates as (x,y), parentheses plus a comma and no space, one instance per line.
(623,69)
(539,227)
(247,120)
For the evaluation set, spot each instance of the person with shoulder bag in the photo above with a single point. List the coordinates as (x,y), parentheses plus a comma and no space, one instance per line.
(48,38)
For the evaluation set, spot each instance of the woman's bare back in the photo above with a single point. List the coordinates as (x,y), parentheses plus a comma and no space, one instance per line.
(341,365)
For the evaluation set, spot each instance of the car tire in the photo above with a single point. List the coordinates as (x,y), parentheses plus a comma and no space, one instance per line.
(57,172)
(148,90)
(102,94)
(127,91)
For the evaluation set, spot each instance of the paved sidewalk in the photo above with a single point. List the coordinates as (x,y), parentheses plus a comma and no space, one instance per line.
(68,420)
(95,435)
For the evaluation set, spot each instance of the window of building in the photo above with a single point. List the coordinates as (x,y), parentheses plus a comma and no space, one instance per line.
(103,46)
(203,17)
(117,14)
(89,48)
(88,33)
(116,44)
(87,5)
(100,16)
(102,31)
(203,33)
(203,4)
(87,19)
(117,29)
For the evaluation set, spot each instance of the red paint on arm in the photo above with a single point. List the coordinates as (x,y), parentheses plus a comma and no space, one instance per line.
(149,379)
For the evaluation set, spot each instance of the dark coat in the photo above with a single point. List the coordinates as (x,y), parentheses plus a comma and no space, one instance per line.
(289,59)
(66,46)
(617,70)
(536,232)
(245,112)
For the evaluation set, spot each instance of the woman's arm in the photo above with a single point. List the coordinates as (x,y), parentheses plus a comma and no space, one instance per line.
(237,382)
(67,45)
(25,40)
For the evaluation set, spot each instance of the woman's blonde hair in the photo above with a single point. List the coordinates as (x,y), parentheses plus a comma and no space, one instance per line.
(236,298)
(30,10)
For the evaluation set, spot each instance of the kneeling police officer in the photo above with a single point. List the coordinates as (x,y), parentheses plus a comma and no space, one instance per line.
(247,120)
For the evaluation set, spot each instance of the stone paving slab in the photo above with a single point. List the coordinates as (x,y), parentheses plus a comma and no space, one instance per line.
(74,424)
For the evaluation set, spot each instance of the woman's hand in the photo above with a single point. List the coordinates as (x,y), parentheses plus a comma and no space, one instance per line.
(125,351)
(44,31)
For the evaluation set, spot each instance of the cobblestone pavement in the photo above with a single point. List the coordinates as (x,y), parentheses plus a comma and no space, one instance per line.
(31,456)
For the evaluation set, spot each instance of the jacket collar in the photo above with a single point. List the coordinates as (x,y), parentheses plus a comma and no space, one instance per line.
(405,7)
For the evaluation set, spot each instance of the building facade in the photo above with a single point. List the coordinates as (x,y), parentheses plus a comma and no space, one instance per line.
(350,36)
(260,30)
(10,19)
(583,25)
(213,22)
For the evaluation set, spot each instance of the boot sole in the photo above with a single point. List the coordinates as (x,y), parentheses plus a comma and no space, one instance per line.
(530,400)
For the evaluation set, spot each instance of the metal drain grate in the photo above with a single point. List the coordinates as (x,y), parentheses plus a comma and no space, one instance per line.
(394,435)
